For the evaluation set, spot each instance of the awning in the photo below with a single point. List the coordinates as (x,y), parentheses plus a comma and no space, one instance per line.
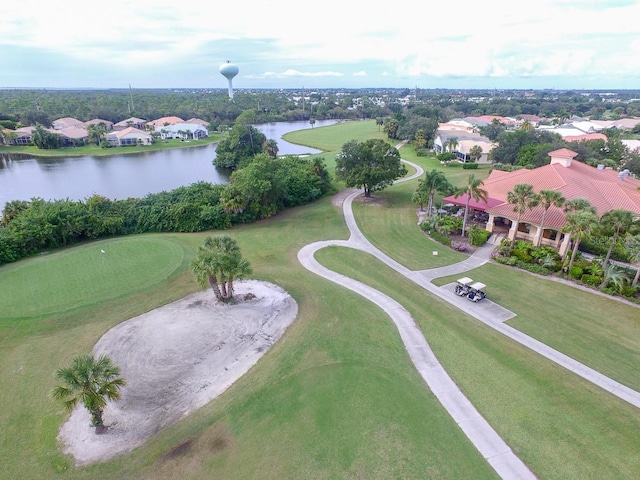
(481,205)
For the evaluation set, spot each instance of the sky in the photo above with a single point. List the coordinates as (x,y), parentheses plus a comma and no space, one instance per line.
(561,44)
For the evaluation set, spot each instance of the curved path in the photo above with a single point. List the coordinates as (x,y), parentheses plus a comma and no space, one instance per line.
(486,440)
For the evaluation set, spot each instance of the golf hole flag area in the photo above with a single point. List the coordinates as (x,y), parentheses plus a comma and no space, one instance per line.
(85,275)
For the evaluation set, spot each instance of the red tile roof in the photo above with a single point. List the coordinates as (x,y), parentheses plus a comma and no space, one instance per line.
(586,136)
(604,189)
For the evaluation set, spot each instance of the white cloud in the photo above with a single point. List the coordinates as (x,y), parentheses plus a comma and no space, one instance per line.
(567,38)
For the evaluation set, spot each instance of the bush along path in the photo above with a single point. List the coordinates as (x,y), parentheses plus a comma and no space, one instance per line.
(482,435)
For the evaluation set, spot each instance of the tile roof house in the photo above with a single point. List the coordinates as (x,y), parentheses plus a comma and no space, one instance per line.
(164,121)
(97,121)
(134,122)
(466,138)
(129,136)
(605,189)
(198,121)
(66,122)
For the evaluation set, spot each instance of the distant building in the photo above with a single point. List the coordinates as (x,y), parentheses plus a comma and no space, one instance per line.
(134,122)
(97,121)
(67,122)
(185,131)
(129,136)
(163,122)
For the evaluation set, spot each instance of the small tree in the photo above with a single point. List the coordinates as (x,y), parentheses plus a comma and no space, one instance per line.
(579,225)
(633,247)
(218,264)
(523,198)
(472,190)
(548,198)
(92,382)
(475,152)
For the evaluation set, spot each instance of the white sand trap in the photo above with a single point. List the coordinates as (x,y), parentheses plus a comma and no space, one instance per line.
(175,359)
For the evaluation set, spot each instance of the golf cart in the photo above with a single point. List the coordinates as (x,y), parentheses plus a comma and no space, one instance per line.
(476,292)
(462,286)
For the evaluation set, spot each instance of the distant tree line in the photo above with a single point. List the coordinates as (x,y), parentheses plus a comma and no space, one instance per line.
(263,187)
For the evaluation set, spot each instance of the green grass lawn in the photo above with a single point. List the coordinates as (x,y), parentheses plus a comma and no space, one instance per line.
(599,332)
(562,426)
(337,396)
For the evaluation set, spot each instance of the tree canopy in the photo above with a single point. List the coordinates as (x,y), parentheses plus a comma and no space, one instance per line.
(218,264)
(239,146)
(372,165)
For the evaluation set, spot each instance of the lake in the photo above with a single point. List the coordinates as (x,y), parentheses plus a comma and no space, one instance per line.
(122,176)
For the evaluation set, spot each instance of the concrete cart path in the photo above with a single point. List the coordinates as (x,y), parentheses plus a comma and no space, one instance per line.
(486,440)
(482,435)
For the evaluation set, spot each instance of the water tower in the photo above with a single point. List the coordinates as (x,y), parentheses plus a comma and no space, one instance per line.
(229,70)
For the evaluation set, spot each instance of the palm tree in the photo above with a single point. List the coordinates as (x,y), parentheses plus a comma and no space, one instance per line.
(452,143)
(523,198)
(472,190)
(526,125)
(475,152)
(90,381)
(218,264)
(548,198)
(616,276)
(618,222)
(579,225)
(12,209)
(434,181)
(633,247)
(579,204)
(270,147)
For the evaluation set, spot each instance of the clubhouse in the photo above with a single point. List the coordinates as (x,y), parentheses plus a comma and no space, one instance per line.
(604,188)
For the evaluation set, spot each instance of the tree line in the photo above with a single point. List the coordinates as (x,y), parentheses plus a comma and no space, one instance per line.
(264,187)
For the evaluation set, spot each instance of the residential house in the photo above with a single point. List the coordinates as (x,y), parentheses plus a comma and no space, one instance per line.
(73,136)
(66,122)
(97,121)
(605,189)
(185,131)
(164,121)
(128,136)
(134,122)
(198,121)
(466,138)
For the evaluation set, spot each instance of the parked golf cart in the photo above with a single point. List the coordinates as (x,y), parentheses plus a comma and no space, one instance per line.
(462,286)
(476,292)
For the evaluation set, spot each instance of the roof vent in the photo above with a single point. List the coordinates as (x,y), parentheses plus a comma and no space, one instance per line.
(600,166)
(623,174)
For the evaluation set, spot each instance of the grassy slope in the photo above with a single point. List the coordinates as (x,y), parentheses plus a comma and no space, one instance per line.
(337,397)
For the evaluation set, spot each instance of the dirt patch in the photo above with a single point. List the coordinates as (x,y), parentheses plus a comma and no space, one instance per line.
(176,359)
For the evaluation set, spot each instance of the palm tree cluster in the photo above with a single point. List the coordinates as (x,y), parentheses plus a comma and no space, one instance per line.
(218,263)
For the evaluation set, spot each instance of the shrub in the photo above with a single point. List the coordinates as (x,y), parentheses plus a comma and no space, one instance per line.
(591,280)
(469,166)
(477,236)
(522,255)
(459,246)
(532,267)
(576,272)
(438,237)
(629,291)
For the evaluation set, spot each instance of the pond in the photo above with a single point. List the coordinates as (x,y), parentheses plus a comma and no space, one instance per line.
(120,176)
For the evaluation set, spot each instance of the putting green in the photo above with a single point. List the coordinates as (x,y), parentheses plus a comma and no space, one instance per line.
(85,275)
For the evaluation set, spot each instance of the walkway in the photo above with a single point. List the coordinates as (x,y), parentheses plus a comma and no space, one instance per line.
(486,440)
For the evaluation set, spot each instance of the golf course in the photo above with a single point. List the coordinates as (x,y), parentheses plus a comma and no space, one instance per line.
(337,396)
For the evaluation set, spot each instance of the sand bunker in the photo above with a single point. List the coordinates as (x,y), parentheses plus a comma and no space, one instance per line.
(175,359)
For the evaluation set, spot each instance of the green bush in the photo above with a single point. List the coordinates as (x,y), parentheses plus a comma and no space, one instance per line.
(591,280)
(532,267)
(477,236)
(522,255)
(469,166)
(438,237)
(628,291)
(576,272)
